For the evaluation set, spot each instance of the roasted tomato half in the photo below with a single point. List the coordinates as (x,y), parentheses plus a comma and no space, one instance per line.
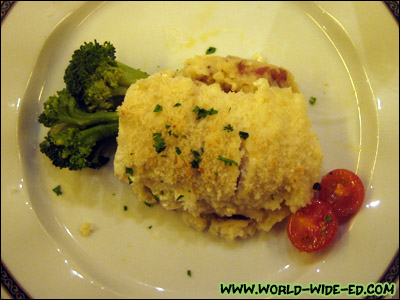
(343,190)
(312,227)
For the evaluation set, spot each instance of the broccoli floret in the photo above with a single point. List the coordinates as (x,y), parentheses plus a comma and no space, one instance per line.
(96,79)
(76,139)
(69,147)
(82,117)
(63,108)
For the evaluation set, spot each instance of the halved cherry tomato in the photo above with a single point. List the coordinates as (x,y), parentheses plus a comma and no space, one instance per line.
(343,190)
(312,227)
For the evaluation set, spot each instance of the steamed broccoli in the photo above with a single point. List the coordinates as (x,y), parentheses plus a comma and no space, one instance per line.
(96,79)
(76,139)
(63,108)
(75,149)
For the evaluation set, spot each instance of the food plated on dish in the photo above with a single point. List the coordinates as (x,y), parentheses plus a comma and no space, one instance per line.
(225,141)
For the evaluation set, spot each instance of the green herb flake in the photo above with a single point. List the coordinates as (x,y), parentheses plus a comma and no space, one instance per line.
(157,108)
(312,100)
(125,208)
(323,232)
(189,273)
(272,197)
(177,104)
(159,144)
(167,126)
(179,197)
(155,197)
(178,151)
(147,204)
(202,113)
(57,190)
(328,219)
(212,111)
(243,135)
(211,50)
(151,226)
(228,127)
(227,161)
(196,160)
(129,171)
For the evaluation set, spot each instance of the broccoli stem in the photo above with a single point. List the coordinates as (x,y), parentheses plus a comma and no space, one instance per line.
(119,91)
(82,118)
(130,75)
(94,134)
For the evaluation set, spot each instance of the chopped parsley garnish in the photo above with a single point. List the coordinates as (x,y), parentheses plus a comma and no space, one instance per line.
(151,226)
(196,160)
(125,208)
(179,197)
(129,171)
(212,111)
(147,204)
(243,135)
(272,197)
(155,197)
(202,113)
(189,273)
(170,131)
(228,127)
(57,190)
(177,104)
(173,134)
(328,219)
(178,151)
(211,50)
(159,144)
(227,161)
(157,108)
(312,100)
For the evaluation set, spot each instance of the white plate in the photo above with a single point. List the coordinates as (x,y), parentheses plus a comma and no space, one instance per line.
(344,53)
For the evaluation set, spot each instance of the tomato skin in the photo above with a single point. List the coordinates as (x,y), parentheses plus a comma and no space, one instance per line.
(343,190)
(312,227)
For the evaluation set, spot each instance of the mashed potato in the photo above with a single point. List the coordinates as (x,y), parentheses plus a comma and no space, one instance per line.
(226,142)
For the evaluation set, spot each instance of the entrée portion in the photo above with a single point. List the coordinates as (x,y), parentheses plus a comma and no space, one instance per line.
(226,142)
